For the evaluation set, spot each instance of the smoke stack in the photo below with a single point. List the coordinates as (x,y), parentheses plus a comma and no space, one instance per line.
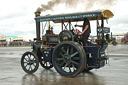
(37,27)
(37,13)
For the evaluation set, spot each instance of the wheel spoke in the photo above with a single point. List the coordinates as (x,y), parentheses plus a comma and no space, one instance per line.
(73,66)
(26,65)
(62,63)
(29,68)
(74,62)
(69,67)
(66,65)
(25,62)
(46,64)
(67,50)
(71,50)
(34,61)
(74,54)
(76,58)
(34,65)
(30,56)
(61,54)
(60,59)
(63,50)
(26,59)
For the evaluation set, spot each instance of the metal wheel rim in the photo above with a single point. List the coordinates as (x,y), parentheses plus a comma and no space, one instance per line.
(29,62)
(73,64)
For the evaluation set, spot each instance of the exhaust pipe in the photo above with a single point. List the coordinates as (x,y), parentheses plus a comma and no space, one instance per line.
(37,27)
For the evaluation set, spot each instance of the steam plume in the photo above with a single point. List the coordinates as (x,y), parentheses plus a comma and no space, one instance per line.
(51,4)
(73,3)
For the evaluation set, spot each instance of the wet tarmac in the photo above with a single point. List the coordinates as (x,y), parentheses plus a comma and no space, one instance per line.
(114,73)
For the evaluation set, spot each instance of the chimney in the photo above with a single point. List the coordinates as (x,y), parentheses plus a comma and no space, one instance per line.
(37,27)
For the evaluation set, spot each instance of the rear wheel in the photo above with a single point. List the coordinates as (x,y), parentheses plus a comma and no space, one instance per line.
(29,62)
(69,58)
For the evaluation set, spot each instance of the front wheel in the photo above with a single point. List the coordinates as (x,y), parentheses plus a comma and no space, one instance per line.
(69,58)
(29,62)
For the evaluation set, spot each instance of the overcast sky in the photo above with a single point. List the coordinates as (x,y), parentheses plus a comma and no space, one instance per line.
(17,16)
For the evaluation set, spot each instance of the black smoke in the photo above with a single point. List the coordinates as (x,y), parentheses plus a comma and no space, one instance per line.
(73,4)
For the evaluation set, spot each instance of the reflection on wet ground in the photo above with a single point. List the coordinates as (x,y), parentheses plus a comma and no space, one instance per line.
(11,73)
(50,77)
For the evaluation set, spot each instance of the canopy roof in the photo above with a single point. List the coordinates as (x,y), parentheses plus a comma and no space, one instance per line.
(92,15)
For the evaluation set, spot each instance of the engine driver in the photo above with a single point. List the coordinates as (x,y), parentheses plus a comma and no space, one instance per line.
(85,31)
